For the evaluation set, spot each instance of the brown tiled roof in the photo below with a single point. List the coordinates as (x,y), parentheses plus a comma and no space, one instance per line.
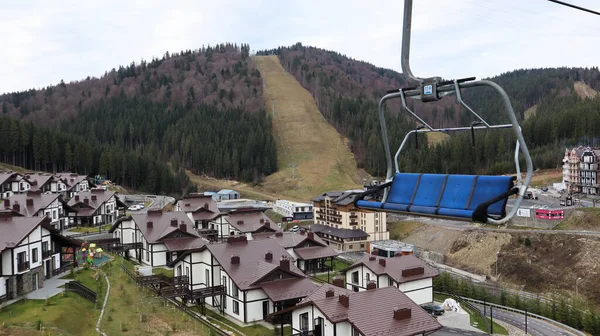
(290,239)
(78,202)
(249,220)
(339,233)
(38,180)
(202,207)
(252,265)
(287,289)
(394,267)
(6,177)
(161,225)
(315,252)
(13,229)
(71,179)
(40,201)
(183,244)
(372,311)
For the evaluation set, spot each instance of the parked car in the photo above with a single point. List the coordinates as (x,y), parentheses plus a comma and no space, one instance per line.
(295,228)
(434,309)
(134,207)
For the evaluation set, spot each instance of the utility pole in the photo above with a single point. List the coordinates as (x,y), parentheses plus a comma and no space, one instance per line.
(492,323)
(293,165)
(525,321)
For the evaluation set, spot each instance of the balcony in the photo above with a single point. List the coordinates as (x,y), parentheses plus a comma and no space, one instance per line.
(23,266)
(353,216)
(353,223)
(46,254)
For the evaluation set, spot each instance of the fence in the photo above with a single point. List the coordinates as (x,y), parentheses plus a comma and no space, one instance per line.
(79,288)
(177,304)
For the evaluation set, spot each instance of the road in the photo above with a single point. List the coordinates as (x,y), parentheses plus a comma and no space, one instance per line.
(454,332)
(535,327)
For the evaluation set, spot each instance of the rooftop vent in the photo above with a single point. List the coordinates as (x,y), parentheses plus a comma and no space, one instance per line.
(284,263)
(94,197)
(149,224)
(402,313)
(29,202)
(382,262)
(174,222)
(311,235)
(187,204)
(413,271)
(183,227)
(372,258)
(268,256)
(344,300)
(261,220)
(240,222)
(277,234)
(338,281)
(76,198)
(329,293)
(86,200)
(235,260)
(16,207)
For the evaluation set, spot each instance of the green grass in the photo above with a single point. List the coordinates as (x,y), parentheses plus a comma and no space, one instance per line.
(88,229)
(475,319)
(401,230)
(253,330)
(274,216)
(581,219)
(530,112)
(163,271)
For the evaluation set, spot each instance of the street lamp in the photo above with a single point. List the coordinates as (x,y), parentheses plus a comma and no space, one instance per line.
(576,289)
(497,260)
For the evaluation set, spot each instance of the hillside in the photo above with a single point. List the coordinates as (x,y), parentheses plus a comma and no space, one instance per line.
(348,90)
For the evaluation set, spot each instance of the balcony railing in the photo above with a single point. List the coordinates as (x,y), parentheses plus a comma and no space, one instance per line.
(24,266)
(46,254)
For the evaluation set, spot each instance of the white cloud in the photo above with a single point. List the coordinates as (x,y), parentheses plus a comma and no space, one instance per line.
(44,42)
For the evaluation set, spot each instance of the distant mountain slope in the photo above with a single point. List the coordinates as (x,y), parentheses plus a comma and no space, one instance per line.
(223,75)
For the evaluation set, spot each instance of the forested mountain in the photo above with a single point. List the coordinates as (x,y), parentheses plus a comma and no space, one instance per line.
(200,110)
(348,92)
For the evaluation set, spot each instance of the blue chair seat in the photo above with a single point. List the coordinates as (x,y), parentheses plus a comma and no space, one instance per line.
(474,197)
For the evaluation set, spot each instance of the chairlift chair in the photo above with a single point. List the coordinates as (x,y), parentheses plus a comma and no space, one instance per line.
(480,198)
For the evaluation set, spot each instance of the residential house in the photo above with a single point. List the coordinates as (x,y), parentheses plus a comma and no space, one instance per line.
(342,240)
(243,221)
(294,210)
(74,182)
(259,276)
(203,212)
(38,204)
(406,272)
(336,209)
(309,251)
(226,194)
(12,183)
(45,182)
(581,167)
(331,310)
(30,251)
(155,238)
(95,207)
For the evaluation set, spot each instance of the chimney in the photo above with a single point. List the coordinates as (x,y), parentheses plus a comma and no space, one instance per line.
(371,285)
(277,234)
(329,293)
(237,239)
(86,200)
(374,251)
(382,262)
(402,313)
(7,203)
(183,227)
(268,256)
(149,224)
(187,204)
(302,232)
(16,207)
(344,300)
(29,202)
(338,281)
(311,235)
(413,271)
(261,221)
(240,222)
(174,222)
(235,260)
(372,258)
(268,225)
(76,198)
(94,197)
(284,263)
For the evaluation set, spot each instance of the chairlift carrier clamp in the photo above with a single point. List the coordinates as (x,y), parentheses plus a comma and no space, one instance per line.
(478,198)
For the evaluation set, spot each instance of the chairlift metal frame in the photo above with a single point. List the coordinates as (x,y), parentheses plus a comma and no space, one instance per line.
(439,89)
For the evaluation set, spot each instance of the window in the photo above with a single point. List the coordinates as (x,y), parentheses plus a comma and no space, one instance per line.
(236,307)
(390,282)
(368,276)
(304,321)
(45,246)
(34,255)
(355,332)
(234,290)
(147,255)
(54,214)
(207,277)
(355,277)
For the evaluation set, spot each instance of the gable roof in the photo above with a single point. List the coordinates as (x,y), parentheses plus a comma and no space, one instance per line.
(71,179)
(398,268)
(7,176)
(290,239)
(101,196)
(184,244)
(162,226)
(339,233)
(315,252)
(38,180)
(39,201)
(252,265)
(287,289)
(250,220)
(13,229)
(337,197)
(202,207)
(372,311)
(227,191)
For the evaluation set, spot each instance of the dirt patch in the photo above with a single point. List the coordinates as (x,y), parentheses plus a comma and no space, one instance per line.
(475,251)
(401,230)
(583,90)
(432,238)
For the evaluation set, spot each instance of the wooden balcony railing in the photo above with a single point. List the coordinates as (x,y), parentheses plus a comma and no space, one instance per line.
(24,266)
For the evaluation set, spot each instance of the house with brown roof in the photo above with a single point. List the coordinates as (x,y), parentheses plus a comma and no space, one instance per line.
(331,310)
(405,272)
(74,183)
(259,276)
(38,204)
(309,251)
(203,212)
(95,207)
(30,251)
(245,222)
(45,182)
(12,183)
(155,238)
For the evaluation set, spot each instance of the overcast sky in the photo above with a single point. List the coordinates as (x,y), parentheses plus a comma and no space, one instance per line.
(45,41)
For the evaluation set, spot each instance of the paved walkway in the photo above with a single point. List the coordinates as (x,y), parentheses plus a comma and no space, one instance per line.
(456,320)
(50,289)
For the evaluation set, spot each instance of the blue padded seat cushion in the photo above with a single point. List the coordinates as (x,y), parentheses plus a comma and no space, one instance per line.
(486,188)
(369,204)
(403,188)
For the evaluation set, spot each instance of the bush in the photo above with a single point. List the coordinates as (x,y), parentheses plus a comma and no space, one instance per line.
(527,242)
(124,327)
(109,318)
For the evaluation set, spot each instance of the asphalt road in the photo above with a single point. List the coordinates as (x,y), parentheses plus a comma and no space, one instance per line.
(535,327)
(454,332)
